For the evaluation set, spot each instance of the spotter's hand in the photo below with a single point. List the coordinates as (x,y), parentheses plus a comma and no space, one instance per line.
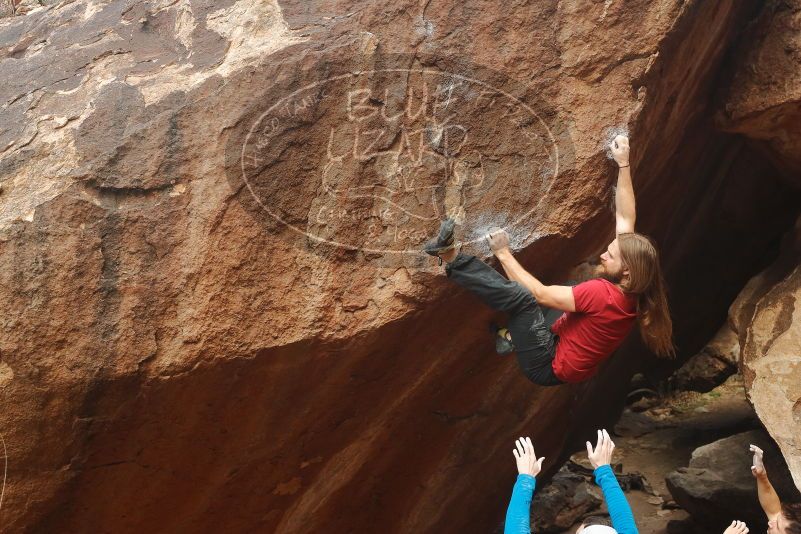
(758,467)
(527,461)
(602,454)
(736,527)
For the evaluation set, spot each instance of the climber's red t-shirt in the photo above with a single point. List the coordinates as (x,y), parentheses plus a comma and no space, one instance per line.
(603,318)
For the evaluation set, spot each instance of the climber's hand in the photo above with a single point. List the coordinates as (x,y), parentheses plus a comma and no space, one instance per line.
(498,240)
(620,150)
(527,461)
(602,455)
(758,467)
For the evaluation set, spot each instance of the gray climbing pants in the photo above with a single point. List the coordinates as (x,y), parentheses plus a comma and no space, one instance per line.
(534,342)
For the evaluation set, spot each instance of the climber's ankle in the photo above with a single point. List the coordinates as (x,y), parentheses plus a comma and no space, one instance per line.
(449,255)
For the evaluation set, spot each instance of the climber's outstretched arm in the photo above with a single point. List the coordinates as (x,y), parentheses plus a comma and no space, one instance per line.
(625,212)
(555,297)
(767,495)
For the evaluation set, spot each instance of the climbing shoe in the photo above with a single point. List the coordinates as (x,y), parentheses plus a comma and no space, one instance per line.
(503,340)
(444,240)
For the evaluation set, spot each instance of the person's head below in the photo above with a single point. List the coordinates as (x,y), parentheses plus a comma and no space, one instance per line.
(596,525)
(632,262)
(788,521)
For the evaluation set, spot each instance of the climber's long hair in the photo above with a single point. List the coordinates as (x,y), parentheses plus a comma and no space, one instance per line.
(640,256)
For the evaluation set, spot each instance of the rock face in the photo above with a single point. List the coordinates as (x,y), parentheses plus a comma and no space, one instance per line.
(569,497)
(209,229)
(764,101)
(713,365)
(765,314)
(703,372)
(718,487)
(772,359)
(764,104)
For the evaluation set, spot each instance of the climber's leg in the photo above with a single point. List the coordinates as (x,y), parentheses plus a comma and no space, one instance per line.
(551,315)
(487,284)
(533,340)
(535,347)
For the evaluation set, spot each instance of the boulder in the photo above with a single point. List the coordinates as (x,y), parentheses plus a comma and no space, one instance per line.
(766,316)
(772,366)
(764,98)
(763,103)
(703,372)
(725,345)
(718,486)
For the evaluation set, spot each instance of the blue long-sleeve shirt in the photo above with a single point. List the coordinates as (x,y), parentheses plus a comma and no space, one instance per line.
(619,509)
(518,519)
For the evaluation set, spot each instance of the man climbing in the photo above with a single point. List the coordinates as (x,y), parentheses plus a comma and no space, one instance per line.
(598,314)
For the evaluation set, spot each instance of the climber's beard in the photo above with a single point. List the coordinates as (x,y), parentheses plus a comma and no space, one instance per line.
(601,272)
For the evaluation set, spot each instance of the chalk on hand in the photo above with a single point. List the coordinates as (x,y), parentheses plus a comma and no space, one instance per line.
(609,136)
